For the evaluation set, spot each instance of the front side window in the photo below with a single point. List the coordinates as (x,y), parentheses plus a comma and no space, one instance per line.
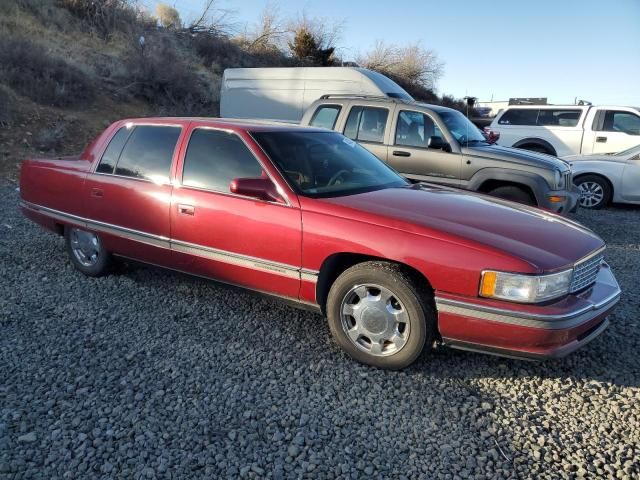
(112,153)
(617,121)
(325,116)
(326,164)
(214,158)
(148,153)
(414,129)
(558,118)
(519,116)
(366,124)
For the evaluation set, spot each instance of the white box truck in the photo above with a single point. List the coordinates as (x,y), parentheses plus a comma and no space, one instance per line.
(284,94)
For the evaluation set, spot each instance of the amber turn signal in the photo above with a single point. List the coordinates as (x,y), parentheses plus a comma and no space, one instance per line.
(556,198)
(488,286)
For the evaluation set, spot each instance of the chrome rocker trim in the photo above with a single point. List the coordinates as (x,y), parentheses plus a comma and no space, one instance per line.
(246,261)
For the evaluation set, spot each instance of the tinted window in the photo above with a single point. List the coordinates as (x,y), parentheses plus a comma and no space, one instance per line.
(148,153)
(214,158)
(327,164)
(519,116)
(111,154)
(626,122)
(558,118)
(366,124)
(325,116)
(414,129)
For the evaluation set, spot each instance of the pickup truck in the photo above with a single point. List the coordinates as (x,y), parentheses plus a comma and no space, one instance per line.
(564,130)
(429,143)
(310,216)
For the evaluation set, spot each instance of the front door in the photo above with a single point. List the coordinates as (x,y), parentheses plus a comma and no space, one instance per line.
(232,238)
(615,131)
(128,195)
(410,155)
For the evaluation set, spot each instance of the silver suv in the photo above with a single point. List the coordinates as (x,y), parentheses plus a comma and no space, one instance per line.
(429,143)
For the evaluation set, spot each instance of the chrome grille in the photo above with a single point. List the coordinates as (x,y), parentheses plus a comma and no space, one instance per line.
(585,272)
(568,180)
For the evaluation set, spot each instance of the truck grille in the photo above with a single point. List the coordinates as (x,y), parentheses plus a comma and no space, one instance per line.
(585,272)
(568,180)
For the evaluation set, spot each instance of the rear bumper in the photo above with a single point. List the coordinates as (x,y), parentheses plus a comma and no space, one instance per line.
(529,331)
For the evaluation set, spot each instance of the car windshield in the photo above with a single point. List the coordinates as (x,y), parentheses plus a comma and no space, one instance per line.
(326,164)
(461,128)
(629,151)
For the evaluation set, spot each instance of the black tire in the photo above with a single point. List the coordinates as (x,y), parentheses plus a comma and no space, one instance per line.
(93,268)
(415,302)
(595,191)
(513,193)
(532,147)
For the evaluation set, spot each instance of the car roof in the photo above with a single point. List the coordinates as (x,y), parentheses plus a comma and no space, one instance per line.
(235,124)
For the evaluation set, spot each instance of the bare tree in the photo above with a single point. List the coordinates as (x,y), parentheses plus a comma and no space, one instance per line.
(314,39)
(213,18)
(269,33)
(413,63)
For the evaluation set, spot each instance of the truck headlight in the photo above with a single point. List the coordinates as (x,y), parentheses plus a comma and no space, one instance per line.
(524,288)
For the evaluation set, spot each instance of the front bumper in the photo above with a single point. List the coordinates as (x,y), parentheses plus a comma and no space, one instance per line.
(529,331)
(561,201)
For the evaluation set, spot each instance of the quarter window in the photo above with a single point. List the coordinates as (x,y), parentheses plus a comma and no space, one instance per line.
(325,116)
(148,153)
(519,116)
(617,121)
(414,129)
(214,158)
(110,157)
(366,124)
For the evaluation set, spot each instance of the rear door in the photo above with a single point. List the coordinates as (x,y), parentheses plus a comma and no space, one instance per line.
(369,125)
(233,238)
(409,154)
(616,130)
(129,193)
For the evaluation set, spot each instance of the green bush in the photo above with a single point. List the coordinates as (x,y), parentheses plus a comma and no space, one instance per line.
(45,78)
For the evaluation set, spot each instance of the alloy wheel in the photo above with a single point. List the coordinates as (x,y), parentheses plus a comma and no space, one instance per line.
(591,194)
(85,246)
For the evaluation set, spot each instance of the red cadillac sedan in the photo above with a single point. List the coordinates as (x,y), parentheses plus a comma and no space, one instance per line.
(308,215)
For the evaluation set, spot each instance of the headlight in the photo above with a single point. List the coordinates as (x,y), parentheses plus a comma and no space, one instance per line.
(524,288)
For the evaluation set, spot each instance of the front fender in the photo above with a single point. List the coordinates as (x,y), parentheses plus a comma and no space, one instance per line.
(536,183)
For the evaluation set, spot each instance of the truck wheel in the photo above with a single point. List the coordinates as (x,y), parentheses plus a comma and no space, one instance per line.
(513,193)
(595,191)
(86,252)
(380,316)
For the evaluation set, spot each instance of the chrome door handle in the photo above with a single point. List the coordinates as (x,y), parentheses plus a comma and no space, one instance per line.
(186,209)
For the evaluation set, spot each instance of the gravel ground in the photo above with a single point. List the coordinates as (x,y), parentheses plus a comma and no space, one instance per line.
(147,374)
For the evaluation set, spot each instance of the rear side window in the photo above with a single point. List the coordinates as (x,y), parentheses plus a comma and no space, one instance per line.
(366,124)
(214,158)
(148,153)
(110,157)
(558,118)
(325,116)
(519,116)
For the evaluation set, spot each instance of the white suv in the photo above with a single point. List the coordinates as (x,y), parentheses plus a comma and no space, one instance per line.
(563,130)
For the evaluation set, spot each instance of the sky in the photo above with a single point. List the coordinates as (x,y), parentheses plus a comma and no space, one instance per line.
(496,49)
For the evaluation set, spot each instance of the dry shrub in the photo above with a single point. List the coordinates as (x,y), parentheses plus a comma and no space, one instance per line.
(107,16)
(161,77)
(51,139)
(7,106)
(45,78)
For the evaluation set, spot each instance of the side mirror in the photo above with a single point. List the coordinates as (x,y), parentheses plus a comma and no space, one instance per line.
(436,143)
(257,187)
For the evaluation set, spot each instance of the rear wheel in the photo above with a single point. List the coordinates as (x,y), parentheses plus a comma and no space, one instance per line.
(595,191)
(513,193)
(380,315)
(86,252)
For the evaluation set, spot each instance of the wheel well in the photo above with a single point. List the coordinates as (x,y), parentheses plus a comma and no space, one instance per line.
(59,229)
(596,175)
(536,142)
(491,184)
(335,264)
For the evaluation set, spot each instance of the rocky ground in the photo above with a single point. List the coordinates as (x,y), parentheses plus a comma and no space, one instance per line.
(147,374)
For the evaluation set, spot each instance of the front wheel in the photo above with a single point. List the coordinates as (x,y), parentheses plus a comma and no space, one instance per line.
(595,192)
(380,315)
(86,252)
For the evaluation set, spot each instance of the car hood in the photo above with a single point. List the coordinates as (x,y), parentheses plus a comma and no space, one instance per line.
(516,155)
(545,240)
(594,158)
